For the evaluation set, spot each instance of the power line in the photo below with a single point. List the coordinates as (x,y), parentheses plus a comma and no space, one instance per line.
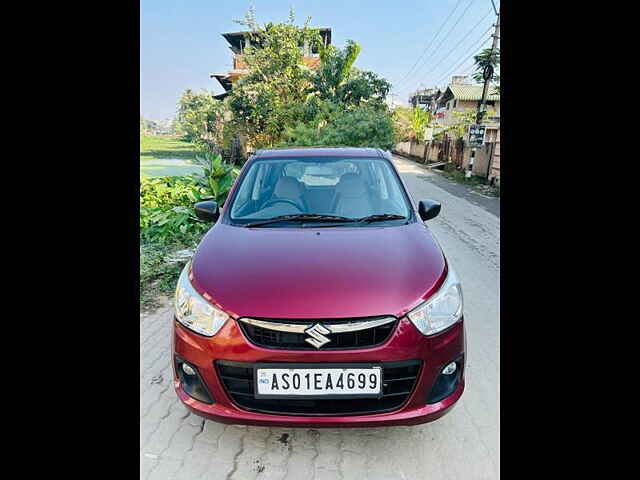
(451,30)
(458,44)
(430,43)
(441,42)
(472,67)
(469,70)
(474,48)
(473,51)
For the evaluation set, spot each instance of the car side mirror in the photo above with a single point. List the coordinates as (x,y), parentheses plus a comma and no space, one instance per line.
(207,210)
(428,209)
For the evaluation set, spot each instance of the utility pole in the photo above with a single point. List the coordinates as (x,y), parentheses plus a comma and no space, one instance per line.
(487,75)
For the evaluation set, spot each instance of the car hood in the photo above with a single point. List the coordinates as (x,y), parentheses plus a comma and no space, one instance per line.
(318,272)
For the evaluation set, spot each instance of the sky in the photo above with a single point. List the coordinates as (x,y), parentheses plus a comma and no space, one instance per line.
(412,43)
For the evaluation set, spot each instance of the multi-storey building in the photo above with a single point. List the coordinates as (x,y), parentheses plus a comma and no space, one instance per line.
(239,41)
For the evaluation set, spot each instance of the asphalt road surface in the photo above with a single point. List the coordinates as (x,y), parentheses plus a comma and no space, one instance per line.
(464,444)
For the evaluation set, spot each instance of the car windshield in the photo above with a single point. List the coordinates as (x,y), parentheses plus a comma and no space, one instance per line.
(354,188)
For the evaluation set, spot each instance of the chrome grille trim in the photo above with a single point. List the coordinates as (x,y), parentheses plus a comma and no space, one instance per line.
(335,328)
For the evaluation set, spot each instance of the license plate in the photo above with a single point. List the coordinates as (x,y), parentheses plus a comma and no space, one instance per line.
(353,381)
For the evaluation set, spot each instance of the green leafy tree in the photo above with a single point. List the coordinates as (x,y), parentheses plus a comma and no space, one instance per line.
(338,81)
(462,122)
(335,69)
(267,99)
(402,123)
(200,120)
(281,94)
(364,87)
(463,119)
(167,126)
(410,123)
(419,122)
(148,127)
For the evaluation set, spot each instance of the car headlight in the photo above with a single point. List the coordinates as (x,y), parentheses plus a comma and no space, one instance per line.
(442,310)
(194,311)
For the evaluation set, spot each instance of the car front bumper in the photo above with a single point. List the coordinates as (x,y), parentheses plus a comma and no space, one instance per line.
(405,343)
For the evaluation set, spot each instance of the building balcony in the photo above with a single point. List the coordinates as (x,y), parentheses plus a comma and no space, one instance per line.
(240,64)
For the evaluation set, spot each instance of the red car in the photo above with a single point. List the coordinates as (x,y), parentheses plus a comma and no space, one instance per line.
(319,299)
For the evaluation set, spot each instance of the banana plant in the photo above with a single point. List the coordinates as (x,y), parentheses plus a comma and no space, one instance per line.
(419,122)
(218,175)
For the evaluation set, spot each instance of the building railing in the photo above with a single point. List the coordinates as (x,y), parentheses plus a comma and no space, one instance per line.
(240,64)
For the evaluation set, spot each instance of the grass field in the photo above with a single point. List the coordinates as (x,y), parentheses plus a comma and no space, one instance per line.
(161,156)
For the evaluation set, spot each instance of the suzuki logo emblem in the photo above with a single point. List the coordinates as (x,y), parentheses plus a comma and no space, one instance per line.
(317,333)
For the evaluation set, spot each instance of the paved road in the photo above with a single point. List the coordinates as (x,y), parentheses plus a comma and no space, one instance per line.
(491,204)
(462,445)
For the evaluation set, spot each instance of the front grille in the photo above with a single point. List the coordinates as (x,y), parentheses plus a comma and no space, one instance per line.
(370,337)
(398,382)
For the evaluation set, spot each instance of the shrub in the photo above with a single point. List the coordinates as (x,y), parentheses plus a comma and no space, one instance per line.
(218,176)
(166,208)
(361,127)
(166,203)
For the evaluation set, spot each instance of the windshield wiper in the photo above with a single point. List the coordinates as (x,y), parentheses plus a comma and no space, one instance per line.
(305,217)
(381,217)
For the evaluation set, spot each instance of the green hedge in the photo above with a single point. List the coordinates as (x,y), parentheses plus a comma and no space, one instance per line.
(166,209)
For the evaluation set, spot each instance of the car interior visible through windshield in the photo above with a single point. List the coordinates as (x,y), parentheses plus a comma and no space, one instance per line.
(351,187)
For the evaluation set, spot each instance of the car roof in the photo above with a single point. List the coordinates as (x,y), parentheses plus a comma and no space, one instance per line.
(319,152)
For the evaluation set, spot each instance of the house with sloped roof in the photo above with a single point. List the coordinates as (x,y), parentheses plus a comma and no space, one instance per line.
(461,96)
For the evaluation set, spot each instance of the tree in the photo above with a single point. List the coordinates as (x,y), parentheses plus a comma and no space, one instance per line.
(148,127)
(419,122)
(167,126)
(200,120)
(410,123)
(365,86)
(281,94)
(487,58)
(267,99)
(335,69)
(338,81)
(463,120)
(402,123)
